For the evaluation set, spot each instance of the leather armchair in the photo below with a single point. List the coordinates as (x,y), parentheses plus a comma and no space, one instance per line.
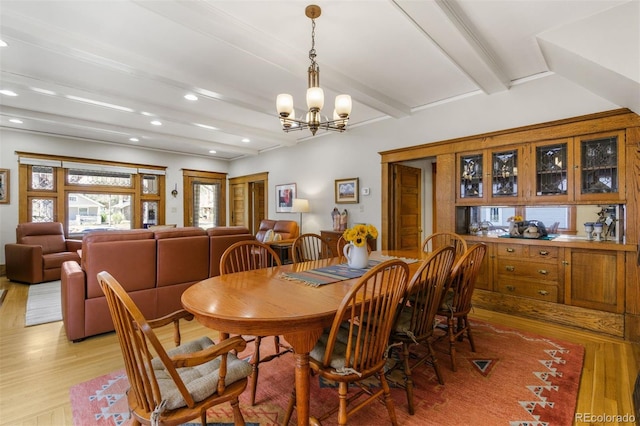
(39,252)
(287,229)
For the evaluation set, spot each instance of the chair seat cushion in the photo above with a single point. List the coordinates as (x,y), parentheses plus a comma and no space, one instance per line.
(403,323)
(201,380)
(338,358)
(55,260)
(447,301)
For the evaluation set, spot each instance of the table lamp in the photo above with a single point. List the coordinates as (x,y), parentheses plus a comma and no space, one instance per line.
(300,205)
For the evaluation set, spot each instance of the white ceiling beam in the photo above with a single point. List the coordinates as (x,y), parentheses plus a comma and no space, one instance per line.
(446,25)
(118,130)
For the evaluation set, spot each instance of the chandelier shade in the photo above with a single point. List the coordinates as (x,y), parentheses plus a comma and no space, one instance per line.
(313,118)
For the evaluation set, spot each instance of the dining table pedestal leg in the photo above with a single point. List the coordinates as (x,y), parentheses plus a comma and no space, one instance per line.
(302,343)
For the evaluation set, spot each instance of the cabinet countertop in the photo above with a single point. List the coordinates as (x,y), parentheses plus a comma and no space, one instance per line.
(561,241)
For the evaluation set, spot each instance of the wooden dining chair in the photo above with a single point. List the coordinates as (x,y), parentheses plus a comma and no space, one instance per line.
(416,320)
(171,387)
(441,239)
(356,346)
(456,303)
(247,256)
(309,247)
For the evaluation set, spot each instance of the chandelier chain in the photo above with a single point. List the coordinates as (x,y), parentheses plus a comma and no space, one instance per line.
(312,52)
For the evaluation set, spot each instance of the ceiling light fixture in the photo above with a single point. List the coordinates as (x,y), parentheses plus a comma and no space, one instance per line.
(156,123)
(315,96)
(190,97)
(8,92)
(15,120)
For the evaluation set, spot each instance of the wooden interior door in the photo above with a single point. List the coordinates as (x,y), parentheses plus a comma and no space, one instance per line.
(238,202)
(249,200)
(407,207)
(257,204)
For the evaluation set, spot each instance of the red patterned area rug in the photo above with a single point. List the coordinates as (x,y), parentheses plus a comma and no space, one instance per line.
(513,378)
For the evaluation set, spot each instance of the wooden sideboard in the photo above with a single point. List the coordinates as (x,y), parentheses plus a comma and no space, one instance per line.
(588,160)
(332,237)
(567,280)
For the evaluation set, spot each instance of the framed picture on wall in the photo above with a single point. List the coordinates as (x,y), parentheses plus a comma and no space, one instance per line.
(284,197)
(4,186)
(346,190)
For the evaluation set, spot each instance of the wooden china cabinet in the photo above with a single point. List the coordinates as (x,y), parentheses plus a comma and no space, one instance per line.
(578,165)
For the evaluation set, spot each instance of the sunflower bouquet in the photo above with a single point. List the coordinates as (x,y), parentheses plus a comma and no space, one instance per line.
(359,233)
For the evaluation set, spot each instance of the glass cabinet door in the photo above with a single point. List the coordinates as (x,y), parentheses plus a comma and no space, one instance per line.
(601,163)
(553,178)
(470,175)
(504,174)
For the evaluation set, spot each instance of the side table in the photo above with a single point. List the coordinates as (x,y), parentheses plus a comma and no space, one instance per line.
(284,251)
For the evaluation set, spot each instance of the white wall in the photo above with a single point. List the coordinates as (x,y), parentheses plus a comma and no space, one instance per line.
(315,164)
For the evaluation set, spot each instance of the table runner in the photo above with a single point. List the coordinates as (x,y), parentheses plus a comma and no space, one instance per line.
(334,273)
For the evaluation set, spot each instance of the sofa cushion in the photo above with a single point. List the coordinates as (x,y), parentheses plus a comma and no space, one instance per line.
(130,256)
(183,255)
(55,260)
(220,238)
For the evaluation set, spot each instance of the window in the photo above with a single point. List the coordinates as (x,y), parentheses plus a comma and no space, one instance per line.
(90,195)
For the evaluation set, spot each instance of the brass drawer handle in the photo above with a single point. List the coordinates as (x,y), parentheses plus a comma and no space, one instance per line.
(543,271)
(510,288)
(543,253)
(510,250)
(510,268)
(543,292)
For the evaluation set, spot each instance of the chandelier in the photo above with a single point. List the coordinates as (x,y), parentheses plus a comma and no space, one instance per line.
(313,120)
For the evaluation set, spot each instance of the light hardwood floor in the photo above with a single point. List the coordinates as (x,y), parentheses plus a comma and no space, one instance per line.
(38,364)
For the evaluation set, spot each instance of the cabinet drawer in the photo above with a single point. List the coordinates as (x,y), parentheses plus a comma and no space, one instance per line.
(511,250)
(534,290)
(526,269)
(541,252)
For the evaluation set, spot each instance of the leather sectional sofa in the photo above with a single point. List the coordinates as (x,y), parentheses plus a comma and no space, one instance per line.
(154,266)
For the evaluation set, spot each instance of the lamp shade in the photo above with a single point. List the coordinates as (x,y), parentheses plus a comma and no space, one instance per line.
(284,104)
(343,105)
(315,98)
(300,205)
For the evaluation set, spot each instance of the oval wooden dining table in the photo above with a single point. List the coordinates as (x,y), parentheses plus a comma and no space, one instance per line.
(264,303)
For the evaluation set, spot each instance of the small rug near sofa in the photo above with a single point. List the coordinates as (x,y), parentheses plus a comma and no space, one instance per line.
(43,303)
(514,378)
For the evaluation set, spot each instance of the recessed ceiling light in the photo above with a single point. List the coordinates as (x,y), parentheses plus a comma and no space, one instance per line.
(98,103)
(212,151)
(190,97)
(148,114)
(43,91)
(246,140)
(3,43)
(156,123)
(7,92)
(134,139)
(206,126)
(16,120)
